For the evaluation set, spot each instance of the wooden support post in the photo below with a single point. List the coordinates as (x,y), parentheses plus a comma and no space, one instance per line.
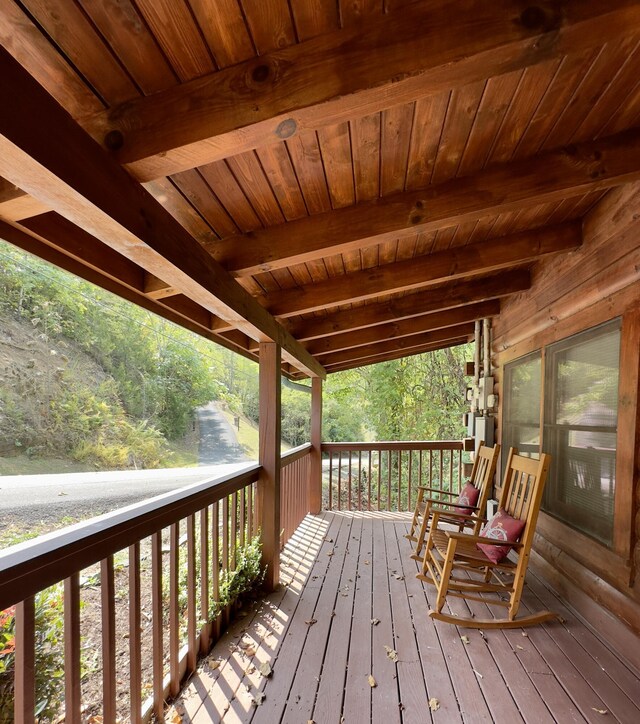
(269,482)
(315,476)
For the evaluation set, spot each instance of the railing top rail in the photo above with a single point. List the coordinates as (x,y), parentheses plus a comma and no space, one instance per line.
(394,445)
(31,566)
(295,453)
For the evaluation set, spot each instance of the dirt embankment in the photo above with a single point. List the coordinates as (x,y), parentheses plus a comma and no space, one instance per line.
(33,371)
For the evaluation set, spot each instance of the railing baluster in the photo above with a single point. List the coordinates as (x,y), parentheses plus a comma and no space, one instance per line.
(205,632)
(339,480)
(243,516)
(389,484)
(379,477)
(72,702)
(215,561)
(234,529)
(157,632)
(107,595)
(191,594)
(174,613)
(399,480)
(225,533)
(25,682)
(349,483)
(331,481)
(135,639)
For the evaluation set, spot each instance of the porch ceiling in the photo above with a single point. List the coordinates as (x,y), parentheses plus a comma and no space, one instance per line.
(357,181)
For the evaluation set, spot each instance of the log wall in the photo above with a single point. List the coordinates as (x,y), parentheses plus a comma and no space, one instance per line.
(596,283)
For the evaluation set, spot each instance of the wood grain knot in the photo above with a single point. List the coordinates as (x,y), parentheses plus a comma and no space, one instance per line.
(533,17)
(114,140)
(286,128)
(260,73)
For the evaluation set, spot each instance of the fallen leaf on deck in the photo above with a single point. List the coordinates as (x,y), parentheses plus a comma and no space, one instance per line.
(328,540)
(265,669)
(213,664)
(174,717)
(311,621)
(331,552)
(250,670)
(391,653)
(399,578)
(478,674)
(372,681)
(525,634)
(333,613)
(600,711)
(520,647)
(97,719)
(59,494)
(251,651)
(434,704)
(465,639)
(375,621)
(366,563)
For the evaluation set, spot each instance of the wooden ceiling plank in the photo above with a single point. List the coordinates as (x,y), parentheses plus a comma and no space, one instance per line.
(436,300)
(400,343)
(405,327)
(249,174)
(136,48)
(70,29)
(365,145)
(195,189)
(91,190)
(270,23)
(314,18)
(25,41)
(307,162)
(592,84)
(504,187)
(335,147)
(354,12)
(224,29)
(428,270)
(397,126)
(398,354)
(533,85)
(276,164)
(461,114)
(178,35)
(428,123)
(304,86)
(230,195)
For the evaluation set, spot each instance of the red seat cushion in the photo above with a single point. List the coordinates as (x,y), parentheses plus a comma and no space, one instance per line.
(468,496)
(501,527)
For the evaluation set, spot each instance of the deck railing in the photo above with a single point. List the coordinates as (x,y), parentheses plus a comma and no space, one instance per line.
(294,490)
(160,565)
(385,475)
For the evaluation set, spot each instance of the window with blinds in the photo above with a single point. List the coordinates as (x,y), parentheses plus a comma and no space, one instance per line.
(521,418)
(580,429)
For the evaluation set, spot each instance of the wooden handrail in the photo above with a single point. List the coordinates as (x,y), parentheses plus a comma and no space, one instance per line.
(34,565)
(394,445)
(295,454)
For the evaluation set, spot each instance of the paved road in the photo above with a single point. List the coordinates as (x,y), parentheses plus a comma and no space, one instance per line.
(27,500)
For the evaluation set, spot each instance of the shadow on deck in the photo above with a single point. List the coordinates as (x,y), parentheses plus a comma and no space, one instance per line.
(349,595)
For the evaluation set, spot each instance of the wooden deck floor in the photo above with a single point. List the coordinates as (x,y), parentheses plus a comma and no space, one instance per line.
(350,592)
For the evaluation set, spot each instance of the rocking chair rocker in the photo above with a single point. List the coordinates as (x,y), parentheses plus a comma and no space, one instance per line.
(453,560)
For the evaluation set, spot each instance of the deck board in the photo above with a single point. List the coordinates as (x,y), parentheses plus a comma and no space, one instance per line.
(554,672)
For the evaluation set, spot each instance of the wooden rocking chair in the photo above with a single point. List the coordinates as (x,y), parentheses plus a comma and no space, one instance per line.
(450,553)
(484,467)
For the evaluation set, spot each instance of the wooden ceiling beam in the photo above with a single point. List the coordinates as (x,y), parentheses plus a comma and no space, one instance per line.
(404,328)
(390,356)
(418,51)
(423,271)
(400,344)
(46,153)
(454,294)
(499,189)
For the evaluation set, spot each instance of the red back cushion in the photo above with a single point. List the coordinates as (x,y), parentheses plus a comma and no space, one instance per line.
(501,527)
(468,496)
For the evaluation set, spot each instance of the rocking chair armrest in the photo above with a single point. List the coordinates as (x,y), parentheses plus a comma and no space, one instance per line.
(466,506)
(454,514)
(482,539)
(426,489)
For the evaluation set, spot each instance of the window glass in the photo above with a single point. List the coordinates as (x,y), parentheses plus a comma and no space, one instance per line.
(521,418)
(581,413)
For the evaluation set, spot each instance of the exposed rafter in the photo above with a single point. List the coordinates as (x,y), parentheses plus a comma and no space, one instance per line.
(444,297)
(499,189)
(92,190)
(479,258)
(418,51)
(404,328)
